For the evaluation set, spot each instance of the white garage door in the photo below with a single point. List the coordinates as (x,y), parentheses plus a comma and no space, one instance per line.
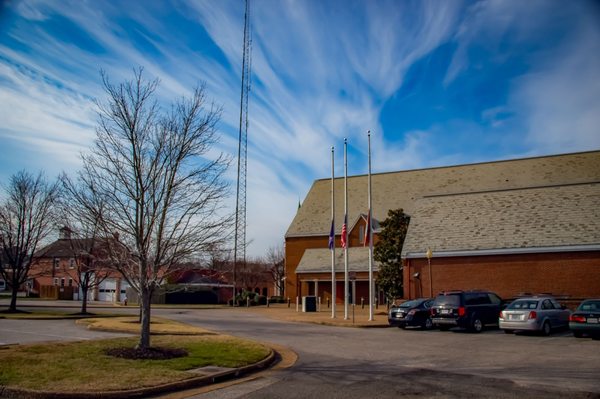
(107,292)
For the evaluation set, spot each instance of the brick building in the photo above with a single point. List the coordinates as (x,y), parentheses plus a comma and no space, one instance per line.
(57,267)
(515,226)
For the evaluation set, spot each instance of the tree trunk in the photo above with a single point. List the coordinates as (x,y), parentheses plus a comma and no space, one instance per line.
(145,296)
(13,299)
(84,292)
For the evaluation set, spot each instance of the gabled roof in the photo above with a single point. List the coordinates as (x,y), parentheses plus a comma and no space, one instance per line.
(65,248)
(562,218)
(318,260)
(402,189)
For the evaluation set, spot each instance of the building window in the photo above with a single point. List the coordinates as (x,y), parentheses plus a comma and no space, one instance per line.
(361,234)
(71,263)
(70,282)
(56,281)
(62,282)
(55,263)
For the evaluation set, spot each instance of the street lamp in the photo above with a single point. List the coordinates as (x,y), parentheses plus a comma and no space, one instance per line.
(429,254)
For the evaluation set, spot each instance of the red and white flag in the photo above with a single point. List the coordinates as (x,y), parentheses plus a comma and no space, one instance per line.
(345,232)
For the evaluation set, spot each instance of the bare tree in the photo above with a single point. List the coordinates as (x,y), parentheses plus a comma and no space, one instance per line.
(161,195)
(252,274)
(26,219)
(275,258)
(81,210)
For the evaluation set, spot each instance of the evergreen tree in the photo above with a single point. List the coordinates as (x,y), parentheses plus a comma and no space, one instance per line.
(387,252)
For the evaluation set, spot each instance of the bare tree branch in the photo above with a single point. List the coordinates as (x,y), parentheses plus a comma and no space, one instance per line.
(26,219)
(161,196)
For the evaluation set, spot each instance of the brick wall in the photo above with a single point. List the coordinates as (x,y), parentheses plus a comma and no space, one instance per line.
(570,274)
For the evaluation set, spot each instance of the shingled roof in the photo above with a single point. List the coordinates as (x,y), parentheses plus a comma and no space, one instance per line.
(545,218)
(65,248)
(403,189)
(318,260)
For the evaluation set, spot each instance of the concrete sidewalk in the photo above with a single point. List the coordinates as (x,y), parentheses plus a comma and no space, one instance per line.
(357,316)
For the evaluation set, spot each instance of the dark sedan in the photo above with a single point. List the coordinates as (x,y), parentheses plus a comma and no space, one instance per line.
(586,319)
(414,313)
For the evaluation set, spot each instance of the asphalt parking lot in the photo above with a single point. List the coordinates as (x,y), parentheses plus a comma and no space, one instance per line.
(341,362)
(354,362)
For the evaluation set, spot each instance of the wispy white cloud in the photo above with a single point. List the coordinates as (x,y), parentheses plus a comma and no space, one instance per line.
(559,100)
(322,71)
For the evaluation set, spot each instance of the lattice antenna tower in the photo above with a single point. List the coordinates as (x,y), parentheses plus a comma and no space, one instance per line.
(239,245)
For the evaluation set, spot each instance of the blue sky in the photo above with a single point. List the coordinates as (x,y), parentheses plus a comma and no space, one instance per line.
(436,82)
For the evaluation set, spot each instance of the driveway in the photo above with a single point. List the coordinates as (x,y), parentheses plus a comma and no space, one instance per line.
(347,363)
(340,362)
(31,331)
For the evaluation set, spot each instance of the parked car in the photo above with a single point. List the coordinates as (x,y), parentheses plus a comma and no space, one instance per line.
(586,319)
(472,310)
(414,313)
(535,313)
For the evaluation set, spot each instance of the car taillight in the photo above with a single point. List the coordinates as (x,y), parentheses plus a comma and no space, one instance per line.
(501,316)
(461,311)
(577,319)
(532,315)
(412,312)
(432,311)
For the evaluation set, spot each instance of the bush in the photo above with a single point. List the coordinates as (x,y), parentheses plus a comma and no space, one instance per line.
(277,299)
(260,300)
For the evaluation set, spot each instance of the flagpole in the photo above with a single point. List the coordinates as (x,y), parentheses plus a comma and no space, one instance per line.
(345,232)
(332,237)
(370,234)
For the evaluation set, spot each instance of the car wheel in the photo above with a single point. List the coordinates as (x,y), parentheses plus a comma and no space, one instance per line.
(578,334)
(477,325)
(428,325)
(546,328)
(508,331)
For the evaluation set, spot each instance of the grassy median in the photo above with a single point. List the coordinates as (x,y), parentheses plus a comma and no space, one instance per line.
(130,324)
(85,366)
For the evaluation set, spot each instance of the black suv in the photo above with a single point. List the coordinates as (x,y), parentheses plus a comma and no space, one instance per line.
(472,310)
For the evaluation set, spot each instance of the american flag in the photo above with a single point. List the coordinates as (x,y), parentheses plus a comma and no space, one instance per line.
(344,232)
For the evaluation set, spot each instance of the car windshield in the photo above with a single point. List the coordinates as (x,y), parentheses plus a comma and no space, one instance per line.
(523,305)
(411,304)
(590,305)
(452,300)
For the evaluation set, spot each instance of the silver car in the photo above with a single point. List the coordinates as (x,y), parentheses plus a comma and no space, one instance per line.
(536,313)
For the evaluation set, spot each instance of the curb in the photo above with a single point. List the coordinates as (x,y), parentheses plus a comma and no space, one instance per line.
(189,383)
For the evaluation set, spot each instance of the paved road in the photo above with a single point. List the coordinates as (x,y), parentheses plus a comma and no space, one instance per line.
(30,331)
(348,363)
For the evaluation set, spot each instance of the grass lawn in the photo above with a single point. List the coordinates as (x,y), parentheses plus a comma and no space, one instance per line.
(129,324)
(84,366)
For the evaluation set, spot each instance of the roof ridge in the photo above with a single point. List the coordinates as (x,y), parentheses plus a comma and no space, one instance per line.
(466,164)
(511,189)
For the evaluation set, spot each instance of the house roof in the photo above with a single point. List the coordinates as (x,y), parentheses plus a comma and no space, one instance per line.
(402,189)
(65,248)
(563,217)
(318,260)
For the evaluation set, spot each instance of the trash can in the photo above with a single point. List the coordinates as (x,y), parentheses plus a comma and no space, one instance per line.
(309,303)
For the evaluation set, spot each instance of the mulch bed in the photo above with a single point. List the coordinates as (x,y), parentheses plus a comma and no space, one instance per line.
(157,353)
